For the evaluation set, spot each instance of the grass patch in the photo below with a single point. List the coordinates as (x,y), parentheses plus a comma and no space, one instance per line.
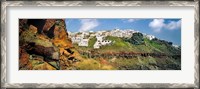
(91,64)
(92,42)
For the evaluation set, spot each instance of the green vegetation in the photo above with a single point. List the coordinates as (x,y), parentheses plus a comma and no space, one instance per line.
(90,64)
(138,63)
(136,39)
(118,44)
(147,63)
(92,42)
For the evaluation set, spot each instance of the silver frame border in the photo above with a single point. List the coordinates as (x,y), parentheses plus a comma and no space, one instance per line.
(5,4)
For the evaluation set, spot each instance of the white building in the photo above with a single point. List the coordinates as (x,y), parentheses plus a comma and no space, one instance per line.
(105,42)
(116,33)
(150,37)
(100,42)
(99,38)
(76,39)
(97,45)
(85,34)
(176,46)
(92,34)
(83,42)
(122,33)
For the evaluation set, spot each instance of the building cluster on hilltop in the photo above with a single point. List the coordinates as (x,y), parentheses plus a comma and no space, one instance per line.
(82,38)
(122,33)
(79,38)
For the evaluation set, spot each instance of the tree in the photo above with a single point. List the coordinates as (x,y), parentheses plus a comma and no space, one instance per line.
(136,39)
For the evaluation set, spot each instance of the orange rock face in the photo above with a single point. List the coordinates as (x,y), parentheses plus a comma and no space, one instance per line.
(61,37)
(33,29)
(48,24)
(44,45)
(23,58)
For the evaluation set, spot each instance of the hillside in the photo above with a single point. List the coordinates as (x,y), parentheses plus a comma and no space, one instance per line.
(147,54)
(44,44)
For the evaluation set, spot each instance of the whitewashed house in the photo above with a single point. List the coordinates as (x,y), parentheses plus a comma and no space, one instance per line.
(76,39)
(96,45)
(92,35)
(85,34)
(99,38)
(116,33)
(83,42)
(176,46)
(150,37)
(106,42)
(100,42)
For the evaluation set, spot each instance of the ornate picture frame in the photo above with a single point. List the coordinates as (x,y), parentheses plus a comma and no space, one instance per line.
(4,53)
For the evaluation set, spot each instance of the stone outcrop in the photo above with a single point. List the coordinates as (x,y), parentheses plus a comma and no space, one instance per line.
(44,45)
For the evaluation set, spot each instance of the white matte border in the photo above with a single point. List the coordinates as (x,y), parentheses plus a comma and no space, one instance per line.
(186,75)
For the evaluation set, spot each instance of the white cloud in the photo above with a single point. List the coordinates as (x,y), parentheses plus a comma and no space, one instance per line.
(129,20)
(173,25)
(158,24)
(88,24)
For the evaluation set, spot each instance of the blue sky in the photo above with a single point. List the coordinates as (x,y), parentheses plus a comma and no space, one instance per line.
(166,29)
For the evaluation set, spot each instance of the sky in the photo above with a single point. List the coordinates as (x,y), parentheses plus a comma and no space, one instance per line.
(165,29)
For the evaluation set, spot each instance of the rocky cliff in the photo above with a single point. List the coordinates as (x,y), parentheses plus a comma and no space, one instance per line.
(44,45)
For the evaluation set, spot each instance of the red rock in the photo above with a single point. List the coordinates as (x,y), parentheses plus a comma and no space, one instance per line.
(23,58)
(32,48)
(48,24)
